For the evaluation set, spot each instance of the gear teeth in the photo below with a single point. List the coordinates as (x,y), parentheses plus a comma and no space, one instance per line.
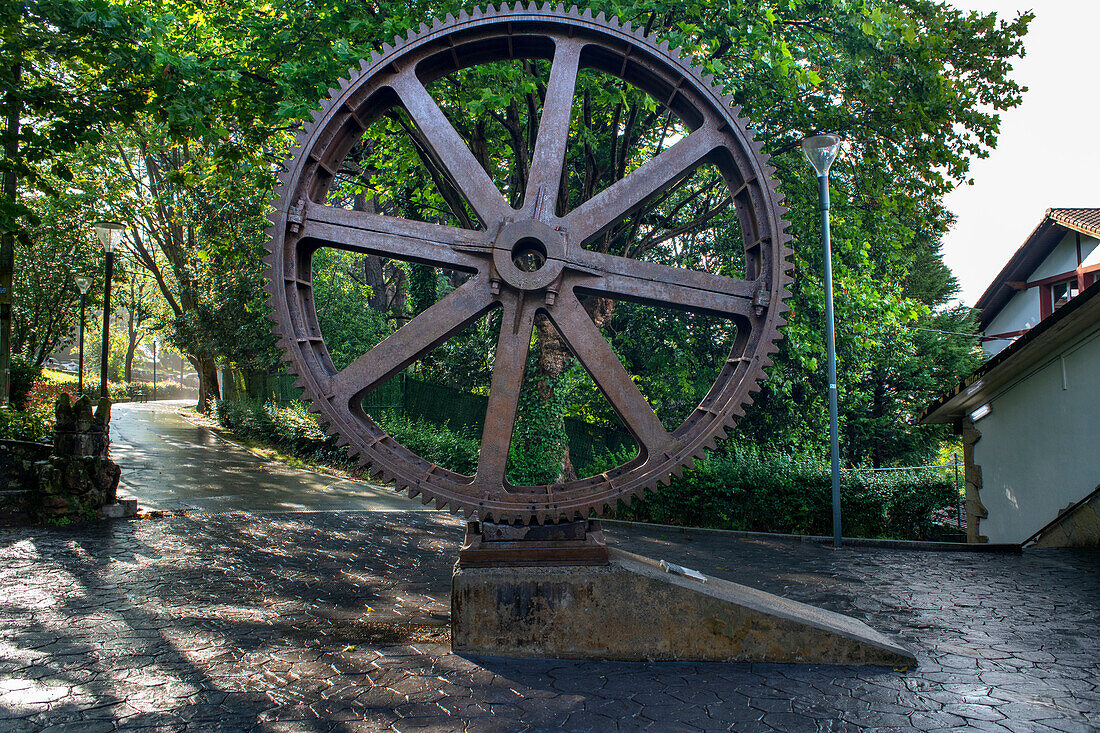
(372,460)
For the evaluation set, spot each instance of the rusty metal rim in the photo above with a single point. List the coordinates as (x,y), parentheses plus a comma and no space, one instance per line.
(302,223)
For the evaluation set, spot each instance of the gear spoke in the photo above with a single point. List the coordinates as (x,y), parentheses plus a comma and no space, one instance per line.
(508,369)
(595,353)
(653,177)
(548,161)
(668,287)
(527,261)
(394,237)
(417,337)
(451,150)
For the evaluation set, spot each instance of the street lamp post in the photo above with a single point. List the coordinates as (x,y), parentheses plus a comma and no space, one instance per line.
(110,233)
(821,151)
(82,284)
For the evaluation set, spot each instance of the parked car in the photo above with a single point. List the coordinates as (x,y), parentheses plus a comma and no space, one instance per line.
(52,363)
(70,366)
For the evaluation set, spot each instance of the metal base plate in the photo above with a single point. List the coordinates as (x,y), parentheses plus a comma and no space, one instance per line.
(489,544)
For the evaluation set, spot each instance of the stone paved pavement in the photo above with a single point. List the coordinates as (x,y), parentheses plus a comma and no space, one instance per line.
(336,621)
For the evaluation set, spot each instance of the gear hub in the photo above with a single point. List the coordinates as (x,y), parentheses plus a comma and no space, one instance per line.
(528,259)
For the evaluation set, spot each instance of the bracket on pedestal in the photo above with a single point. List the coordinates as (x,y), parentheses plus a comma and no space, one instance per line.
(489,544)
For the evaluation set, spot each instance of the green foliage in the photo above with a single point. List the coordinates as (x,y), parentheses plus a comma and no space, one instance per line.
(202,106)
(422,287)
(455,450)
(24,374)
(743,488)
(350,326)
(51,254)
(34,424)
(291,427)
(72,66)
(537,453)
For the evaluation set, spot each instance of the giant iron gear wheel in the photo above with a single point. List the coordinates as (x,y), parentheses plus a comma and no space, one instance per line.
(303,222)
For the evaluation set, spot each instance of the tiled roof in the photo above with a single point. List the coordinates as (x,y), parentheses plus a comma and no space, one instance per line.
(1087,219)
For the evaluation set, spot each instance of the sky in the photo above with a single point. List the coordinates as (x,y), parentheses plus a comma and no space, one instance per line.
(1044,158)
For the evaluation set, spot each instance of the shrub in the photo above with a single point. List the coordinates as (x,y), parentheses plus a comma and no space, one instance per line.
(24,374)
(291,427)
(747,489)
(50,384)
(34,424)
(454,450)
(167,389)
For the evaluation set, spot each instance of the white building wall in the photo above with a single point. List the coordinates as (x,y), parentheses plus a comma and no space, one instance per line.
(1062,259)
(1039,449)
(1090,251)
(1020,312)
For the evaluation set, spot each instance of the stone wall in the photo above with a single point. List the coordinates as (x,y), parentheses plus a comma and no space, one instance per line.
(78,479)
(18,477)
(69,481)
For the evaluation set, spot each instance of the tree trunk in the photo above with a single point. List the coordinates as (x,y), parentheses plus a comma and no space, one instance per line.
(555,357)
(131,348)
(372,265)
(208,382)
(372,272)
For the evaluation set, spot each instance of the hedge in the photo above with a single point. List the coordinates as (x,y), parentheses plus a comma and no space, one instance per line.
(292,428)
(738,488)
(743,488)
(50,384)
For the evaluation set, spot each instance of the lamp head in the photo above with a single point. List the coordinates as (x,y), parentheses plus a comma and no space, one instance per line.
(82,285)
(821,151)
(109,232)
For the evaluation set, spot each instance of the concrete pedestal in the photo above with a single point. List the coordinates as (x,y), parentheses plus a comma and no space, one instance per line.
(635,610)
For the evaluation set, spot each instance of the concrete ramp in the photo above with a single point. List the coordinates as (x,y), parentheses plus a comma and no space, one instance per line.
(636,610)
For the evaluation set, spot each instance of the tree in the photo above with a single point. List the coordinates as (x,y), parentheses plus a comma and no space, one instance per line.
(63,66)
(54,250)
(920,83)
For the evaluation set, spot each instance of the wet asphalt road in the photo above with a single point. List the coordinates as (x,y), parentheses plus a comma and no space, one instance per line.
(169,463)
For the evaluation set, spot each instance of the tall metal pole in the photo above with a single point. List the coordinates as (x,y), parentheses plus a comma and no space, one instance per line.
(830,339)
(154,371)
(80,367)
(105,352)
(14,107)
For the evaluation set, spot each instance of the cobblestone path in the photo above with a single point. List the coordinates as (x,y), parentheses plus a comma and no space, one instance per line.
(337,621)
